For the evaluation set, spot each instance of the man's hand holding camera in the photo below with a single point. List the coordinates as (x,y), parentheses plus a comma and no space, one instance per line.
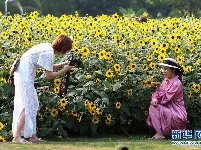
(72,62)
(68,67)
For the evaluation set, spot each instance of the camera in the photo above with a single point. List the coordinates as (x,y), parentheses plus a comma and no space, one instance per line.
(74,61)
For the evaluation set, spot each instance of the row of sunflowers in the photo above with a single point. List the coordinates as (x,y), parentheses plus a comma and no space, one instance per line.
(110,91)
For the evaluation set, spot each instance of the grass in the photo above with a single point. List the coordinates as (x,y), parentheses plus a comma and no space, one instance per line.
(133,142)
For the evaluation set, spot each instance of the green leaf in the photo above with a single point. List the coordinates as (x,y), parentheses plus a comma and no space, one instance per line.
(55,124)
(116,86)
(61,131)
(93,127)
(99,72)
(62,122)
(76,127)
(70,122)
(80,77)
(46,131)
(71,94)
(83,127)
(137,113)
(79,106)
(78,99)
(107,85)
(105,100)
(4,133)
(125,108)
(124,128)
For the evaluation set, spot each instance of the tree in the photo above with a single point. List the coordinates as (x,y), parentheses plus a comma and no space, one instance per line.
(22,6)
(184,6)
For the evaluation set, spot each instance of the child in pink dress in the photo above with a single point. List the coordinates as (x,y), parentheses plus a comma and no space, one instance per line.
(167,111)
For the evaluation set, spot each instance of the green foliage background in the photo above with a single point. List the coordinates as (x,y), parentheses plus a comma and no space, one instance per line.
(110,92)
(155,8)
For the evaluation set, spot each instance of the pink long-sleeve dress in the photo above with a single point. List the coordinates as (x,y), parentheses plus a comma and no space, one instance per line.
(170,112)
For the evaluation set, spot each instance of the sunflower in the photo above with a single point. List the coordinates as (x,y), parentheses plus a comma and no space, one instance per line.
(107,121)
(2,139)
(101,54)
(188,69)
(1,126)
(63,101)
(198,62)
(3,80)
(86,102)
(99,111)
(196,87)
(129,122)
(79,118)
(128,53)
(141,42)
(57,82)
(154,43)
(144,83)
(152,65)
(46,110)
(73,113)
(161,58)
(149,58)
(46,89)
(131,57)
(164,25)
(40,117)
(95,120)
(133,66)
(162,52)
(76,50)
(57,90)
(85,51)
(109,116)
(54,112)
(62,108)
(118,105)
(128,68)
(190,40)
(144,67)
(117,67)
(177,50)
(10,132)
(92,112)
(109,73)
(98,31)
(88,76)
(148,84)
(189,94)
(111,61)
(108,55)
(129,92)
(92,105)
(172,38)
(98,81)
(156,50)
(114,37)
(164,45)
(180,59)
(115,16)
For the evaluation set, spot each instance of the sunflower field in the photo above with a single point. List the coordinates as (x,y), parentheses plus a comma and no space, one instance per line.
(110,92)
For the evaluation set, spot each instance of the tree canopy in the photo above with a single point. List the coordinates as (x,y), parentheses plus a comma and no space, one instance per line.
(93,8)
